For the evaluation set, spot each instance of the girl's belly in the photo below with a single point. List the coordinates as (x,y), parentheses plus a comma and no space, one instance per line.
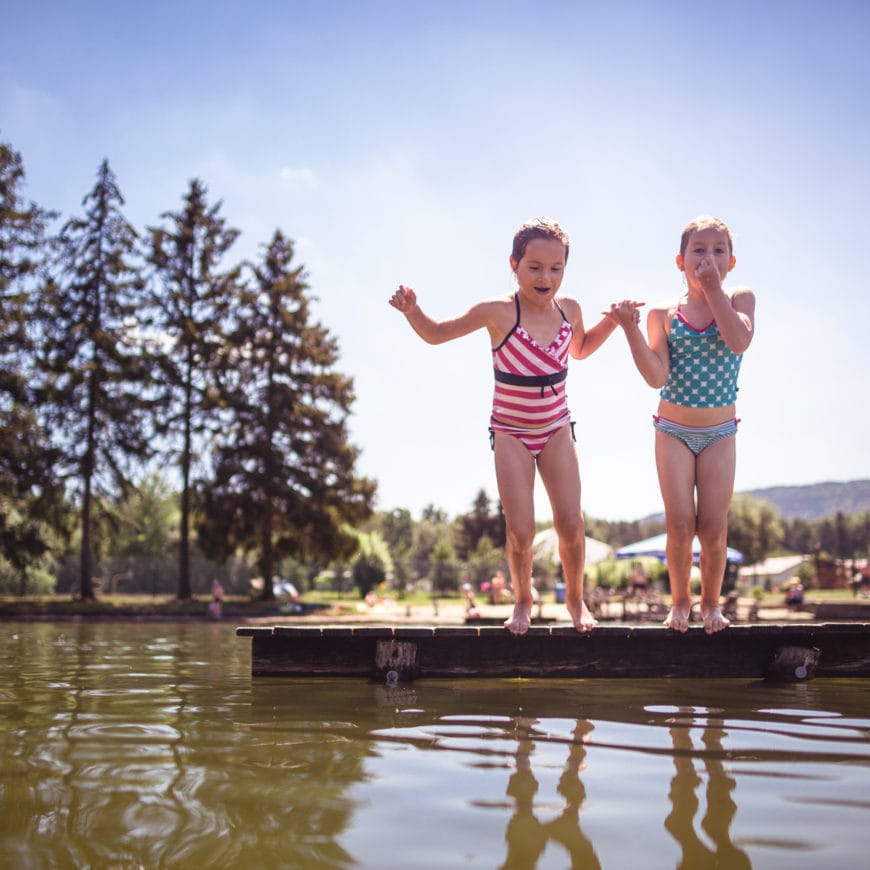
(695,416)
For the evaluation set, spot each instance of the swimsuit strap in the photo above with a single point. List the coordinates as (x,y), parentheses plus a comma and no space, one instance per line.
(517,300)
(514,327)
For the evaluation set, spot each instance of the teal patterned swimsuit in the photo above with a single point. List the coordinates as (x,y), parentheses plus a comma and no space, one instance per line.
(703,369)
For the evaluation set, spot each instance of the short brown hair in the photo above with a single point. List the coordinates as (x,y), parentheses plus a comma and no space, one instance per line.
(704,222)
(538,228)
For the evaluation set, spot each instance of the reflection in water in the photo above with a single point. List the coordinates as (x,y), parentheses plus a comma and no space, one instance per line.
(720,805)
(527,837)
(151,746)
(144,753)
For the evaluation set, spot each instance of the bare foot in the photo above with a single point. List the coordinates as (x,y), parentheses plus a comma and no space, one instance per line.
(713,619)
(678,618)
(521,619)
(581,617)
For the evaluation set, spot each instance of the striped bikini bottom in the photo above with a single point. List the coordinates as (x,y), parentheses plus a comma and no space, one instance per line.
(534,439)
(696,438)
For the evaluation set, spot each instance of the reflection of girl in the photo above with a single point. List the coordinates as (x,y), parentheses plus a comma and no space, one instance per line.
(526,836)
(566,828)
(720,809)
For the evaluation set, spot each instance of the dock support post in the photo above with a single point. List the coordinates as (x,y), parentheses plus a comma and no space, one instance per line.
(395,661)
(793,663)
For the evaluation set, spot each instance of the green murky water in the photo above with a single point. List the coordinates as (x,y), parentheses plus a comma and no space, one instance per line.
(150,745)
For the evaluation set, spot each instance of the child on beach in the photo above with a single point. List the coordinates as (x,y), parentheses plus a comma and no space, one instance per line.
(693,353)
(532,333)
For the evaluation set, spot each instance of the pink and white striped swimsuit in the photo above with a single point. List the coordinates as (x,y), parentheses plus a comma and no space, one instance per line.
(530,401)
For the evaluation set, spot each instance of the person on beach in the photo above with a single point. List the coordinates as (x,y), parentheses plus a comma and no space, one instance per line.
(532,333)
(692,354)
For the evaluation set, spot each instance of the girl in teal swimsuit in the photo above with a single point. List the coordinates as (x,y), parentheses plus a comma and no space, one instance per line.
(692,354)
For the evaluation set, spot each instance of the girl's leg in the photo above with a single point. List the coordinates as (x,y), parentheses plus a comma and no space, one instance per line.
(676,469)
(716,465)
(515,475)
(560,473)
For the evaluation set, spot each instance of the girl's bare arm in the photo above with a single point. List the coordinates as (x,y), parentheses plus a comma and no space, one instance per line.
(735,316)
(438,331)
(585,342)
(650,354)
(734,312)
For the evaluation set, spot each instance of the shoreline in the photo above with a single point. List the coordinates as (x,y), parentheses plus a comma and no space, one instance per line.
(446,613)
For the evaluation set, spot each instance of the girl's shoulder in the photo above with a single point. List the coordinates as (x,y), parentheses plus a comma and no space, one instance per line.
(741,292)
(499,312)
(664,310)
(742,299)
(495,305)
(569,305)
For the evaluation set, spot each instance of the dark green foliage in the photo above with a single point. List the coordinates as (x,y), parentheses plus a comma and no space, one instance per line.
(191,302)
(30,496)
(94,370)
(284,482)
(367,574)
(482,521)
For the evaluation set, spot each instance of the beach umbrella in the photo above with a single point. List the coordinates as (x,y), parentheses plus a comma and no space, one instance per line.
(656,546)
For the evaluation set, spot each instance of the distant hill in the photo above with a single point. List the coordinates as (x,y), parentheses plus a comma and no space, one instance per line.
(817,501)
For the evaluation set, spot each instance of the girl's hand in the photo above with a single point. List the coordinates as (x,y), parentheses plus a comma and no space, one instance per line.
(707,272)
(626,313)
(404,299)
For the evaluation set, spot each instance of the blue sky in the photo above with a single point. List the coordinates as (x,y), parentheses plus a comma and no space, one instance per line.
(405,142)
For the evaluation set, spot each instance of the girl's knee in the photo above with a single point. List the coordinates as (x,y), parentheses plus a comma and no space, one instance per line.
(520,537)
(681,531)
(713,534)
(570,528)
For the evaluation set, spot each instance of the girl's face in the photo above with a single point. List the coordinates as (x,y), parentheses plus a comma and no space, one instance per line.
(539,272)
(711,246)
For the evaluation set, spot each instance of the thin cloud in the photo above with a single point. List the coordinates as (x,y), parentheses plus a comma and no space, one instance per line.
(299,178)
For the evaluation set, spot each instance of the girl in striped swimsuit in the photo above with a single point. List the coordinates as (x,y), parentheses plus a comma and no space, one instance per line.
(532,336)
(693,355)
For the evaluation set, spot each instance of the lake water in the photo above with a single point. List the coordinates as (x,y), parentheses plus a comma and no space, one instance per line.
(150,745)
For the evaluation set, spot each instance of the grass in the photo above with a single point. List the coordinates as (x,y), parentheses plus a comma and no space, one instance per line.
(144,606)
(127,606)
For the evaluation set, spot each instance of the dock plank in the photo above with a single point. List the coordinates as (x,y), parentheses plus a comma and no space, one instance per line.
(773,650)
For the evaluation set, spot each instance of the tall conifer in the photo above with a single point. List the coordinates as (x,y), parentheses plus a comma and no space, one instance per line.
(192,297)
(93,402)
(30,495)
(284,481)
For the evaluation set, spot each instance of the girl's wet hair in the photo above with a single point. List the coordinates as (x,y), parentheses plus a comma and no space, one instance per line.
(704,222)
(538,228)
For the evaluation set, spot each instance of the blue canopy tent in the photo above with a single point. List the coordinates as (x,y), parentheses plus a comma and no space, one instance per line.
(655,546)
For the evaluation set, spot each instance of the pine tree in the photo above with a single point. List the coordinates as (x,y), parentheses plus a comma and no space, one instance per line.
(480,522)
(191,302)
(284,482)
(93,401)
(30,494)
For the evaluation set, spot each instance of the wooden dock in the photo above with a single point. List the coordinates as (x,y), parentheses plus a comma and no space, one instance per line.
(783,651)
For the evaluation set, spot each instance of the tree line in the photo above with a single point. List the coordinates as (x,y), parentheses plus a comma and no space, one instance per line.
(122,351)
(164,407)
